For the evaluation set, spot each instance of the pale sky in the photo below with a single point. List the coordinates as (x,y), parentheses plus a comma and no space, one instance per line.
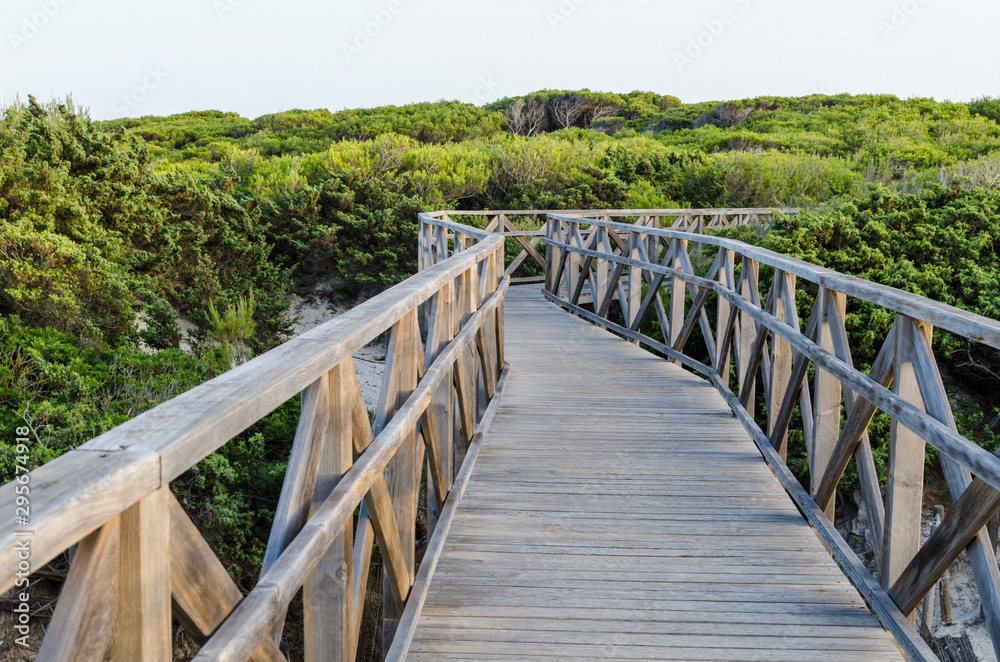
(129,57)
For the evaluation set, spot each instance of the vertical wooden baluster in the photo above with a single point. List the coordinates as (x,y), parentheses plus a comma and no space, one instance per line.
(402,472)
(488,332)
(573,260)
(602,268)
(142,631)
(781,352)
(480,350)
(904,486)
(466,368)
(696,227)
(329,590)
(826,428)
(423,247)
(634,291)
(498,321)
(552,254)
(750,270)
(442,244)
(677,292)
(727,280)
(562,265)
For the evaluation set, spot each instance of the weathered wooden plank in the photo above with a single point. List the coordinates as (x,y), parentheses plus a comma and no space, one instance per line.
(402,474)
(87,609)
(328,597)
(904,485)
(827,392)
(142,630)
(203,592)
(551,505)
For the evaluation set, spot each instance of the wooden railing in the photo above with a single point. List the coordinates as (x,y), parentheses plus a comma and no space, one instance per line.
(526,229)
(649,274)
(139,559)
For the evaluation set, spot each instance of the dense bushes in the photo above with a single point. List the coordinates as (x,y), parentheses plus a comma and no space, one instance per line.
(360,233)
(92,237)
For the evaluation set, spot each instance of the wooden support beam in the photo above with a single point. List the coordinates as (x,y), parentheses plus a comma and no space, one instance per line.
(403,473)
(81,626)
(904,486)
(748,330)
(964,522)
(634,291)
(859,415)
(828,391)
(723,319)
(328,598)
(142,630)
(784,309)
(677,292)
(203,592)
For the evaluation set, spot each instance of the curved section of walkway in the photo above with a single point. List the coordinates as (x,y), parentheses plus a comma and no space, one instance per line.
(618,511)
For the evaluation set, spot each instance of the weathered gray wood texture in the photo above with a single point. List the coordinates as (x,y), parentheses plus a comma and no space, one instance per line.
(618,510)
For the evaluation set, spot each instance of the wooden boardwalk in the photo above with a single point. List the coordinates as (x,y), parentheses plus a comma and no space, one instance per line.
(618,510)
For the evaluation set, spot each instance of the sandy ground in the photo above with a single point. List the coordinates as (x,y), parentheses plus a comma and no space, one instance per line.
(369,362)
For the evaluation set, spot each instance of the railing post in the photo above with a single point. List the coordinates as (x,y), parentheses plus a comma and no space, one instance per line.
(722,330)
(781,355)
(328,592)
(551,254)
(904,485)
(634,293)
(678,290)
(827,392)
(142,631)
(403,472)
(749,290)
(441,331)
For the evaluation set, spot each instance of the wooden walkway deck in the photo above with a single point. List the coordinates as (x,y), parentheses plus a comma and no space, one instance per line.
(618,510)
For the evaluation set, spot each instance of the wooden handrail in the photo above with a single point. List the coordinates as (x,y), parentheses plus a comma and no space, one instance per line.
(139,552)
(592,262)
(435,226)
